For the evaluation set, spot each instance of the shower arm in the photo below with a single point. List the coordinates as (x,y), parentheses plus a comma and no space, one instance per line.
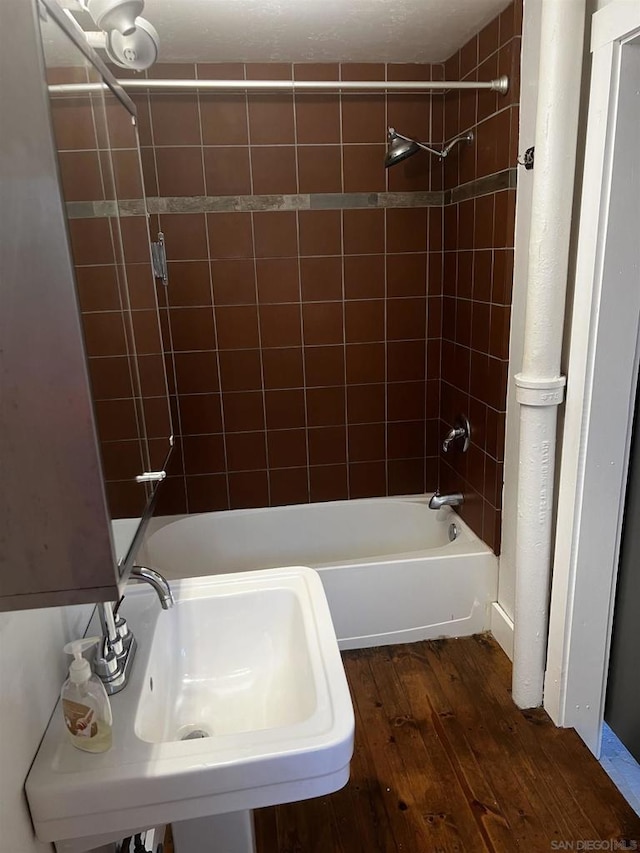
(465,137)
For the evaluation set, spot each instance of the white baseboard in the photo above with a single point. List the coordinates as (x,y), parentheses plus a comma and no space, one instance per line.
(502,629)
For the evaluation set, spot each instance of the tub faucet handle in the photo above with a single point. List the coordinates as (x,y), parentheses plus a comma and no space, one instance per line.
(460,432)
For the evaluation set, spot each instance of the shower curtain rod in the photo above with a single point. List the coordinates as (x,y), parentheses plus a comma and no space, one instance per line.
(500,84)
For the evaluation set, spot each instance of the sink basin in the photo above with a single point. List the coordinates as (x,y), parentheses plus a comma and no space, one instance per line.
(198,683)
(237,700)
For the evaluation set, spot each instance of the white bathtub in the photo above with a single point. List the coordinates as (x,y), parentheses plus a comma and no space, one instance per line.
(390,573)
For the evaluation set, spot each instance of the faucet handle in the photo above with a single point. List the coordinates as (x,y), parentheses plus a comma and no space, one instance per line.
(460,430)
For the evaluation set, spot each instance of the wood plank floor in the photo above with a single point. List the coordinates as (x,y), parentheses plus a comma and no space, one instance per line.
(444,761)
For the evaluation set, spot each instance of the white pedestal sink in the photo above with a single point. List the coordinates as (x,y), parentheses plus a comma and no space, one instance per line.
(237,700)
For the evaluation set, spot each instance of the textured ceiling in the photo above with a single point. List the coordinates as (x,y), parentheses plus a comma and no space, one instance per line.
(316,30)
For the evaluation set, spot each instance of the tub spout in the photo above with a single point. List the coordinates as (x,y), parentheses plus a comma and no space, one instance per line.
(438,501)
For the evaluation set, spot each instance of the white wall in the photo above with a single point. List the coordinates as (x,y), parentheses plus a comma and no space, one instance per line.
(32,669)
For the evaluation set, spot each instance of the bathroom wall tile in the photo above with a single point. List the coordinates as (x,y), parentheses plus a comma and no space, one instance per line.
(180,171)
(98,288)
(289,486)
(407,275)
(274,170)
(328,482)
(243,412)
(207,493)
(364,168)
(81,176)
(317,119)
(230,235)
(234,282)
(367,479)
(323,323)
(224,119)
(248,489)
(196,372)
(246,451)
(104,334)
(189,283)
(327,445)
(287,448)
(271,119)
(324,365)
(278,280)
(280,325)
(406,319)
(364,118)
(91,242)
(367,442)
(320,232)
(240,370)
(275,234)
(321,278)
(325,406)
(320,168)
(203,454)
(200,413)
(175,119)
(406,230)
(110,378)
(364,276)
(406,401)
(365,363)
(366,403)
(191,329)
(185,236)
(237,326)
(364,321)
(406,476)
(227,171)
(363,232)
(405,361)
(285,409)
(283,368)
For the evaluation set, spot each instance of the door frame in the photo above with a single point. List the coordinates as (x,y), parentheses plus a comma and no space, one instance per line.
(602,379)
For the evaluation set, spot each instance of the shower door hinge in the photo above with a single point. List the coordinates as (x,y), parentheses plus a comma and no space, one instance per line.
(159,259)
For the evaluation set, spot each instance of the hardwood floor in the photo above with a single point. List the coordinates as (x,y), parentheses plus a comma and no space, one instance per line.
(444,761)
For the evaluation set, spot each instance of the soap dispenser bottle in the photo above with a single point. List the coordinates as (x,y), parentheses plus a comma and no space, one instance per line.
(85,704)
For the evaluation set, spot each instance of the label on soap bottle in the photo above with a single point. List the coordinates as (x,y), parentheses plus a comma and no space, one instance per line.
(79,719)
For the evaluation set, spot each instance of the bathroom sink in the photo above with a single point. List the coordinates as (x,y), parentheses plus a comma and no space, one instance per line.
(227,664)
(237,700)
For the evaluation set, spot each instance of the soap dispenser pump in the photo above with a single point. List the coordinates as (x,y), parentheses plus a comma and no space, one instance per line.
(85,704)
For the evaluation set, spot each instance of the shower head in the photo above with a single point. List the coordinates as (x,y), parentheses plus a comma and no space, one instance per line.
(400,147)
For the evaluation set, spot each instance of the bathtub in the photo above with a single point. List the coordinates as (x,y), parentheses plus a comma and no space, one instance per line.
(389,570)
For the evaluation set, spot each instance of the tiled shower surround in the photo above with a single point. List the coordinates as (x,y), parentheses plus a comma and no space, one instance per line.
(328,317)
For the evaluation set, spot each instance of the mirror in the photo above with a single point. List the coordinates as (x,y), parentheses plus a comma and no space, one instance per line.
(101,181)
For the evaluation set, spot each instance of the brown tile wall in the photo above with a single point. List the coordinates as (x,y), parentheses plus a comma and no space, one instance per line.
(478,272)
(302,368)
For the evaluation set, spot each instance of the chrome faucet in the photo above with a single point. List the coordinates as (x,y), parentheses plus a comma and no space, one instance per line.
(117,650)
(438,501)
(155,579)
(460,432)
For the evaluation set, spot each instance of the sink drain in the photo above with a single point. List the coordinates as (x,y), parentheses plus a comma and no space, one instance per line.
(192,733)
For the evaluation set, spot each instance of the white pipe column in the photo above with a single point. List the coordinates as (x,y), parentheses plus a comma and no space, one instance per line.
(540,387)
